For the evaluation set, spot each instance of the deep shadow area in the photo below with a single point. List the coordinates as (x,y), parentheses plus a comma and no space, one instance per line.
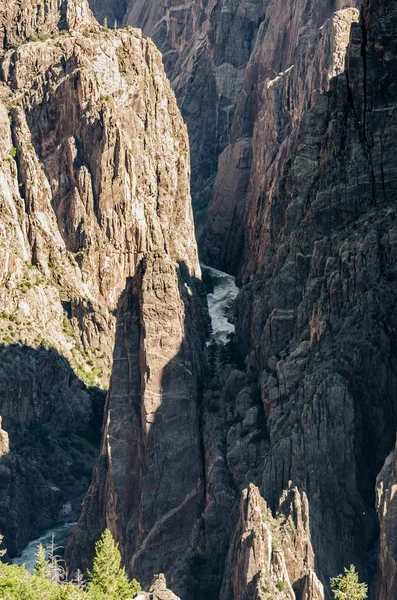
(149,484)
(53,422)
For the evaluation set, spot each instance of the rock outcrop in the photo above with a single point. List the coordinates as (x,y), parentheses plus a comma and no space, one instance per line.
(148,486)
(255,566)
(4,442)
(386,486)
(158,591)
(94,179)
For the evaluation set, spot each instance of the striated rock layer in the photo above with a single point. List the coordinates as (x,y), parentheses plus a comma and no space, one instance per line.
(223,59)
(148,485)
(316,317)
(94,180)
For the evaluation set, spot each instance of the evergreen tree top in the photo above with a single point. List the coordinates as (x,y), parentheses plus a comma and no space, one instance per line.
(108,578)
(347,586)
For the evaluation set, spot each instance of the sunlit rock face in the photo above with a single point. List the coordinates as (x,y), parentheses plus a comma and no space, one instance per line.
(220,57)
(94,179)
(158,590)
(386,487)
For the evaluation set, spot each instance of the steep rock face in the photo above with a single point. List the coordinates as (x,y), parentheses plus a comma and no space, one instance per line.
(94,176)
(251,550)
(206,47)
(318,321)
(222,57)
(298,49)
(148,484)
(386,485)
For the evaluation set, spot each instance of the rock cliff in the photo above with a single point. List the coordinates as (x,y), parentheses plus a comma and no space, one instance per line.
(297,51)
(279,474)
(293,441)
(94,180)
(313,417)
(148,486)
(223,59)
(316,317)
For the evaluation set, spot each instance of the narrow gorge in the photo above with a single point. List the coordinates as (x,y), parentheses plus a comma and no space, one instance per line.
(231,422)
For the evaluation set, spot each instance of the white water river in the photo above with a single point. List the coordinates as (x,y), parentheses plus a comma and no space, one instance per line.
(28,556)
(220,302)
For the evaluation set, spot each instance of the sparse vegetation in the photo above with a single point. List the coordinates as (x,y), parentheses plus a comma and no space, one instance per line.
(108,580)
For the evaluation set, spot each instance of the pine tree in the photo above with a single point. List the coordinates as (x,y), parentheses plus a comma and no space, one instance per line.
(347,586)
(42,567)
(108,580)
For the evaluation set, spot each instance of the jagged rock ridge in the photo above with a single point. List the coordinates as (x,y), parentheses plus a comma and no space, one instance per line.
(148,485)
(94,179)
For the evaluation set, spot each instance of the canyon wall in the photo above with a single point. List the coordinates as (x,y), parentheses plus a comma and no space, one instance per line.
(316,315)
(94,181)
(299,435)
(269,474)
(222,58)
(297,49)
